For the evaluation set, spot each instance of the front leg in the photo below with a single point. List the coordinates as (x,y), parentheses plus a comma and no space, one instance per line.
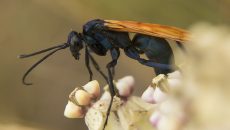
(87,63)
(97,67)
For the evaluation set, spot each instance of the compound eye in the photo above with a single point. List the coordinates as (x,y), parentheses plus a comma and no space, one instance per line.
(72,37)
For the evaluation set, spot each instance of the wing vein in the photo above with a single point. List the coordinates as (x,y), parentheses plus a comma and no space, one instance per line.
(157,30)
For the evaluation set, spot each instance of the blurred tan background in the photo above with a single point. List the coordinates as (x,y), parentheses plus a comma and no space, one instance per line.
(30,25)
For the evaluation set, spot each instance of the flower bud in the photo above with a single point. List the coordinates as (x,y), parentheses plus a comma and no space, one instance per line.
(73,111)
(125,86)
(148,95)
(168,123)
(82,97)
(175,75)
(93,88)
(129,80)
(155,118)
(174,80)
(106,96)
(174,83)
(159,95)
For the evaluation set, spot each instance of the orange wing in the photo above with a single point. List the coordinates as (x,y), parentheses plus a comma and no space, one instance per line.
(157,30)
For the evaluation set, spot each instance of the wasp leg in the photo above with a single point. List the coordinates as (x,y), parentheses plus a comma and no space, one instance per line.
(113,71)
(115,53)
(87,63)
(97,67)
(133,53)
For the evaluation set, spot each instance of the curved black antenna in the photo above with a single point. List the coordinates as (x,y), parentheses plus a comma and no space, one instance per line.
(39,52)
(65,45)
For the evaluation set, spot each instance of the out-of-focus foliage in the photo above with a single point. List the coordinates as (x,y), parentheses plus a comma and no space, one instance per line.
(15,126)
(207,77)
(29,25)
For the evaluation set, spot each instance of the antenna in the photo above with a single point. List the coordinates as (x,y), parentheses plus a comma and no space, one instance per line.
(57,48)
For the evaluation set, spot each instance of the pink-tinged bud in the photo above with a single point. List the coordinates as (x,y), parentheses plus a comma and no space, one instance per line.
(154,118)
(148,95)
(125,86)
(159,95)
(106,96)
(93,88)
(168,123)
(73,111)
(129,80)
(174,83)
(83,97)
(175,75)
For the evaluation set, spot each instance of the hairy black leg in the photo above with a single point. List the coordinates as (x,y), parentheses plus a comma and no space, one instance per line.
(113,71)
(97,67)
(115,53)
(133,53)
(88,64)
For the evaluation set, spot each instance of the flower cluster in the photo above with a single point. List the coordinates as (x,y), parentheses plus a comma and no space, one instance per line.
(128,112)
(198,99)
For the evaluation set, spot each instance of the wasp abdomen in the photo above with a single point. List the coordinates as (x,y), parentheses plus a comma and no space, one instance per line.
(156,49)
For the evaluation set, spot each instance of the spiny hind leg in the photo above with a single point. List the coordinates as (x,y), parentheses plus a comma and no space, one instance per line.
(115,53)
(132,53)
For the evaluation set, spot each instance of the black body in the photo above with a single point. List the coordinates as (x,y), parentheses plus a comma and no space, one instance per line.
(99,39)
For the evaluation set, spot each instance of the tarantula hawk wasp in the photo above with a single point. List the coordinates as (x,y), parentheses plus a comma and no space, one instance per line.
(100,36)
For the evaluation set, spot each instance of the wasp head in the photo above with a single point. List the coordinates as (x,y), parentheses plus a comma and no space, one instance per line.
(76,43)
